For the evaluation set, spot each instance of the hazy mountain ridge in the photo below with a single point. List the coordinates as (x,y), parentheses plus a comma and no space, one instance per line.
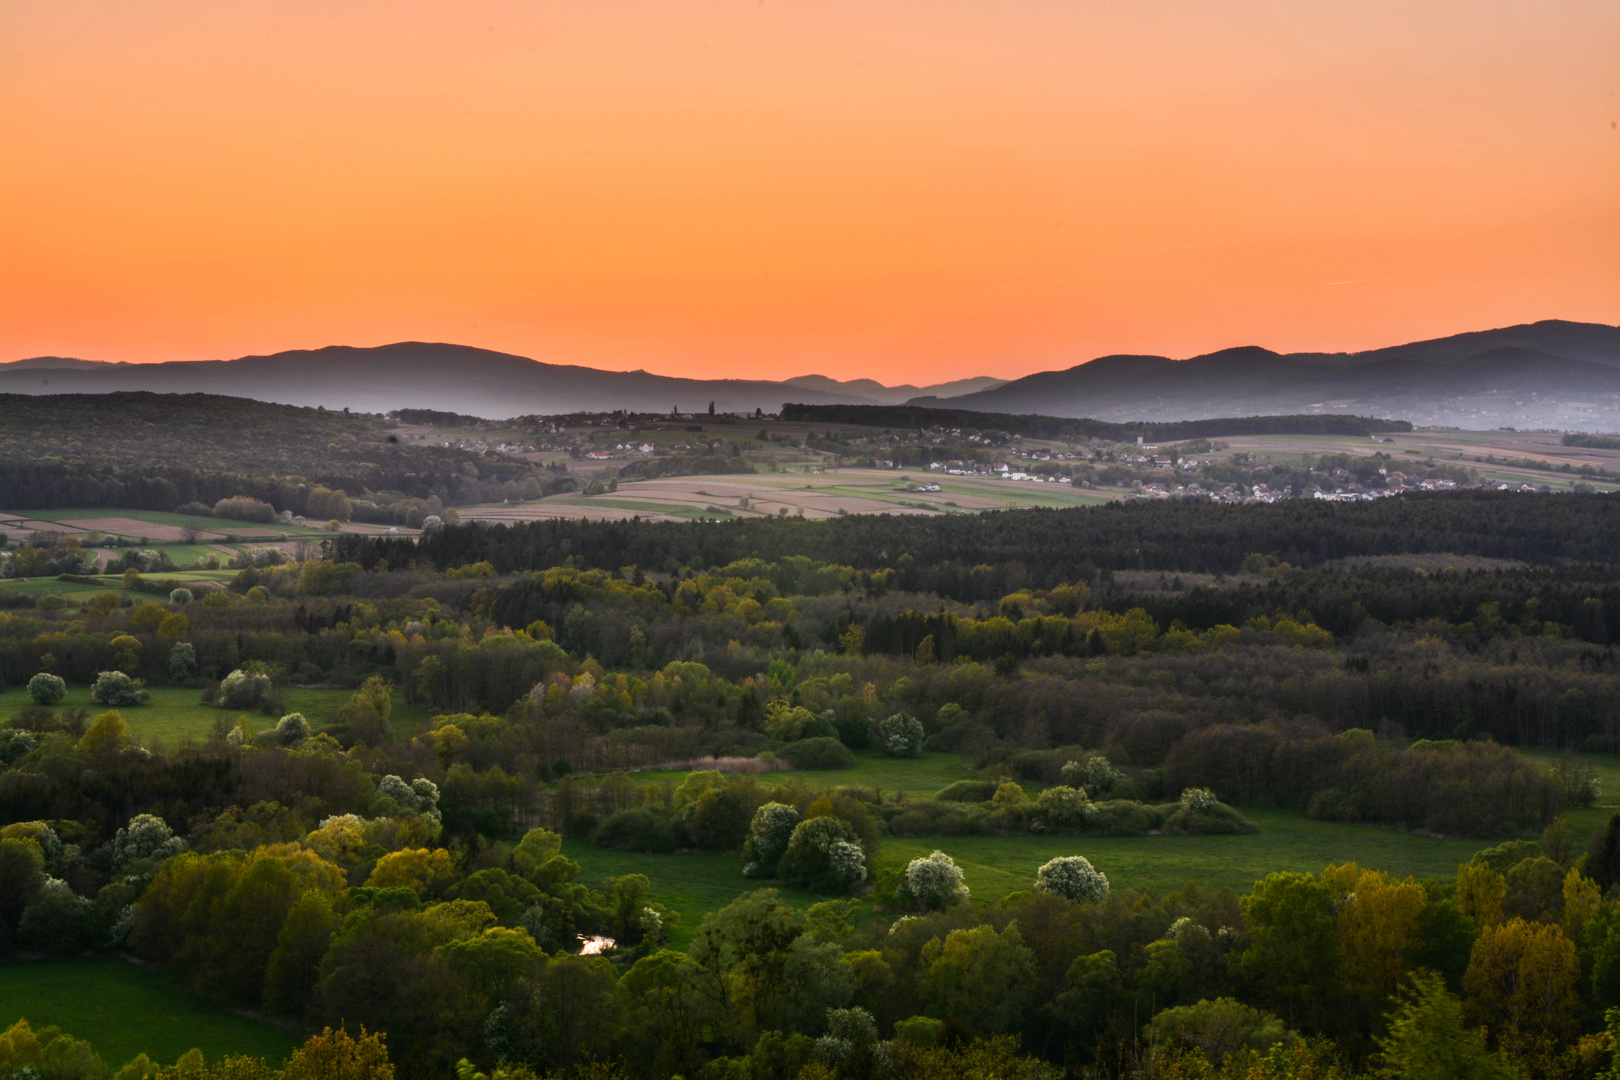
(1550,374)
(1547,374)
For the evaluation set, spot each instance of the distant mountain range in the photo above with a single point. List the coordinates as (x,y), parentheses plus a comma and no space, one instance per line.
(1547,374)
(455,378)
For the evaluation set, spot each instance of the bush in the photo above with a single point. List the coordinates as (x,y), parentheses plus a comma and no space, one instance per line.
(900,736)
(818,753)
(292,728)
(1073,878)
(1215,819)
(968,791)
(116,689)
(46,689)
(1063,807)
(1096,775)
(640,829)
(243,508)
(927,817)
(768,837)
(823,856)
(1119,817)
(195,509)
(1197,799)
(242,690)
(180,596)
(934,881)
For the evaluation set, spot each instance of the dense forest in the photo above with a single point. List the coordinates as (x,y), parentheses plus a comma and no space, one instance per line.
(986,556)
(916,417)
(427,878)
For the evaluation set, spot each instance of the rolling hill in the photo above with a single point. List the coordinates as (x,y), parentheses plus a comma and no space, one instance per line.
(1546,374)
(425,375)
(1549,374)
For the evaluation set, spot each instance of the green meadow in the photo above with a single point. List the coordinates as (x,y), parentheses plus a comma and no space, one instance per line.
(124,1010)
(175,714)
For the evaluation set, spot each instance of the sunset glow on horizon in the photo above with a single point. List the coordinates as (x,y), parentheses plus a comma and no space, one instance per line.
(909,191)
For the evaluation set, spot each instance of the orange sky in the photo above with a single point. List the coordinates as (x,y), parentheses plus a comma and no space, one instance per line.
(910,190)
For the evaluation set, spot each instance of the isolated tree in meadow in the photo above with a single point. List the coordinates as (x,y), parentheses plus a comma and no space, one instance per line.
(46,689)
(934,881)
(1073,878)
(242,689)
(117,689)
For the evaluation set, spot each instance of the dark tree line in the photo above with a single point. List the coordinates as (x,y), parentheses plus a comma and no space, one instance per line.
(989,555)
(916,417)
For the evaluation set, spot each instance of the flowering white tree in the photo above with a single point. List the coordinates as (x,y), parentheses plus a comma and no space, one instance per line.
(1197,799)
(46,689)
(292,728)
(1073,878)
(901,736)
(768,838)
(242,690)
(147,836)
(934,881)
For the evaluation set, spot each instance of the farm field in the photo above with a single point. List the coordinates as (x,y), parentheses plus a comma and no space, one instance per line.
(176,713)
(124,1010)
(822,494)
(1466,448)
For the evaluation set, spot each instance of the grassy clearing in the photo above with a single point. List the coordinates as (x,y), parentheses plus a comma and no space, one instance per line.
(1583,822)
(918,776)
(124,1010)
(696,884)
(176,713)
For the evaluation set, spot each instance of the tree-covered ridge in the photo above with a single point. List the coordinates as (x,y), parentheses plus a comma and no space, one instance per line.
(160,451)
(1030,425)
(1045,548)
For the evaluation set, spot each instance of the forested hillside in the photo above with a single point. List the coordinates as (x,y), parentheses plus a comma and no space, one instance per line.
(160,451)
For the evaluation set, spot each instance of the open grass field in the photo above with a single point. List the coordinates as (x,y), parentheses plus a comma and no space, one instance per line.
(124,1010)
(176,713)
(994,866)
